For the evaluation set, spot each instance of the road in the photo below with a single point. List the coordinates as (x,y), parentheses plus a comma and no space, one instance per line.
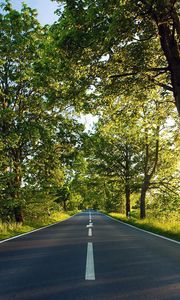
(89,256)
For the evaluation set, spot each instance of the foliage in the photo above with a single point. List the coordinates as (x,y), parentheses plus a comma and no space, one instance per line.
(128,153)
(128,42)
(39,136)
(116,60)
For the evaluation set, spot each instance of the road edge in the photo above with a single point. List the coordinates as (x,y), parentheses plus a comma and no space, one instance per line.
(146,231)
(34,230)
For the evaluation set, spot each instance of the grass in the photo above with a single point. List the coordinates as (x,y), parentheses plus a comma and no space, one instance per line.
(165,226)
(8,230)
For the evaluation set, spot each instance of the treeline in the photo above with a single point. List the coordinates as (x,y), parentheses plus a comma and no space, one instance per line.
(39,138)
(133,162)
(117,61)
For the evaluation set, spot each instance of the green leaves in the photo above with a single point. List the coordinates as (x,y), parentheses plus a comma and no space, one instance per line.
(102,57)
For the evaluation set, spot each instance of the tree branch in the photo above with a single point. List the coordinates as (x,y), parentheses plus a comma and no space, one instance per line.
(163,85)
(123,75)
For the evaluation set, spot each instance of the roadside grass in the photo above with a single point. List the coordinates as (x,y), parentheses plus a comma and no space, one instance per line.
(8,230)
(162,225)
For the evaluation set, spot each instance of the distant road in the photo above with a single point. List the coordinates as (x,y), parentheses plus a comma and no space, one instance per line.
(89,256)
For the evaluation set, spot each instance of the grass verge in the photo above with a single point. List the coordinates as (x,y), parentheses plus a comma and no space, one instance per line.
(169,228)
(8,230)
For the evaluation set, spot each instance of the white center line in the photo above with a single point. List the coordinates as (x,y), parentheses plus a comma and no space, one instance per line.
(89,225)
(90,274)
(90,232)
(90,217)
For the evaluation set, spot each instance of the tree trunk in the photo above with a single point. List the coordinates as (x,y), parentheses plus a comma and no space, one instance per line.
(16,185)
(127,192)
(175,79)
(170,45)
(148,174)
(143,199)
(64,205)
(121,208)
(127,183)
(18,213)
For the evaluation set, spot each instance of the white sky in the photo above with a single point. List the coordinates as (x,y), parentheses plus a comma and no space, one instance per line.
(89,121)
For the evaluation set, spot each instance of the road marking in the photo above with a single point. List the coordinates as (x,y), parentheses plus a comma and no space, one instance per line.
(90,219)
(152,233)
(90,274)
(89,225)
(90,232)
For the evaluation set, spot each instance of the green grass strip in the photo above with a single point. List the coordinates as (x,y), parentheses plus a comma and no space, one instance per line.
(168,228)
(8,230)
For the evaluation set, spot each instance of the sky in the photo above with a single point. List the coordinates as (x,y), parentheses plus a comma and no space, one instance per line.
(45,9)
(89,121)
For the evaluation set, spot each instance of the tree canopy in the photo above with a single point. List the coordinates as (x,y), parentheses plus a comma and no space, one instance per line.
(118,60)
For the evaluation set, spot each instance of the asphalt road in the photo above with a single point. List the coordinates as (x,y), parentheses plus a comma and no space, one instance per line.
(70,261)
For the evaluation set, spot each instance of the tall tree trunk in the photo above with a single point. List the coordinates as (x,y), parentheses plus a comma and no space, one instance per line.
(121,206)
(64,205)
(18,213)
(127,183)
(148,173)
(169,32)
(128,193)
(144,189)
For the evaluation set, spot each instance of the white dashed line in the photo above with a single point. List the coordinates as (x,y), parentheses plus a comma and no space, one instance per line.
(90,273)
(90,232)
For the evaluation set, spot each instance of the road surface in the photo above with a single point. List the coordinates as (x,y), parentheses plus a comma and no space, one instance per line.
(89,256)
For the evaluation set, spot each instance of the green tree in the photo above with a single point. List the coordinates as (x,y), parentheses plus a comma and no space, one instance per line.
(21,105)
(131,143)
(39,134)
(127,41)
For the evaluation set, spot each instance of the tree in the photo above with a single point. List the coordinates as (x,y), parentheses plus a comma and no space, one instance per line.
(113,153)
(38,133)
(63,195)
(150,152)
(126,41)
(165,16)
(154,137)
(21,105)
(130,143)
